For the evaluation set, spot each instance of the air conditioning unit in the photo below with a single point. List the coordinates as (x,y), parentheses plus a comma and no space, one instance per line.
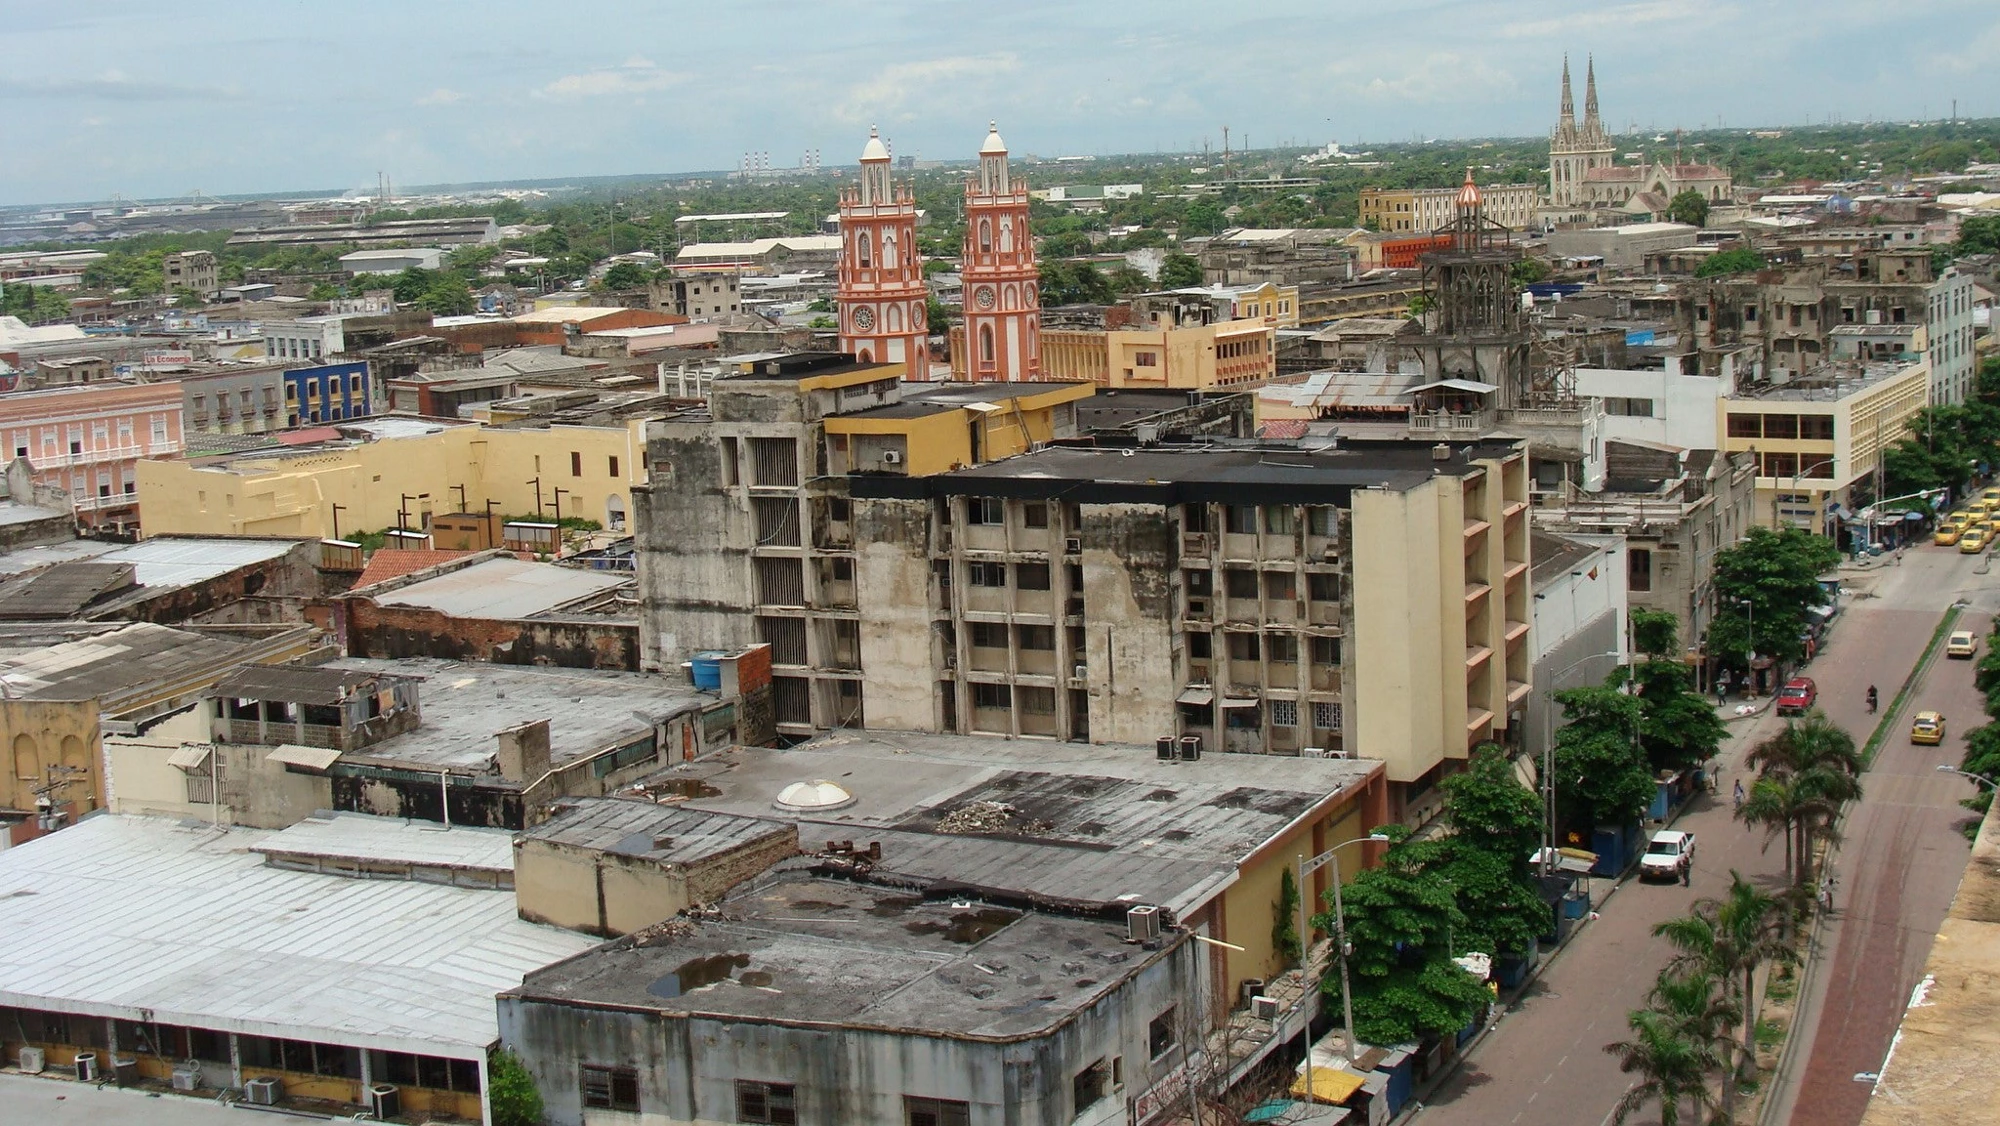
(186,1079)
(32,1061)
(1194,543)
(86,1067)
(1264,1008)
(264,1091)
(1190,747)
(385,1101)
(1312,752)
(892,457)
(1142,924)
(1073,545)
(125,1069)
(1249,989)
(1079,672)
(1164,748)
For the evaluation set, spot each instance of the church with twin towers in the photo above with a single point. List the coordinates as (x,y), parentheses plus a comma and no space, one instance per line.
(882,294)
(1588,186)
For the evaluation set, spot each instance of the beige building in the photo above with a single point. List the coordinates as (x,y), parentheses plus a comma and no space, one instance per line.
(1370,601)
(190,269)
(1198,357)
(1423,210)
(1818,439)
(409,471)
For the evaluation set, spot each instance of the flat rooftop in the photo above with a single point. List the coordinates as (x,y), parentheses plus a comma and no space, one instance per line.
(1086,824)
(1829,383)
(111,666)
(150,919)
(1239,474)
(920,400)
(465,704)
(504,588)
(805,950)
(360,838)
(670,833)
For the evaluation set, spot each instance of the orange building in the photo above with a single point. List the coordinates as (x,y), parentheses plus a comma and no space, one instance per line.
(89,439)
(882,293)
(1003,307)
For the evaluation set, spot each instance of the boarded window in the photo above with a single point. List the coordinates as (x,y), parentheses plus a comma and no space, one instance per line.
(777,521)
(791,700)
(781,582)
(1639,569)
(610,1088)
(774,1103)
(774,462)
(935,1112)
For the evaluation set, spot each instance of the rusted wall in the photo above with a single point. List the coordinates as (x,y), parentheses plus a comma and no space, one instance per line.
(409,631)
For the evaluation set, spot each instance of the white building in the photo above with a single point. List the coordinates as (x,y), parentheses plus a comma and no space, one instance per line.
(392,261)
(308,338)
(1949,330)
(1666,407)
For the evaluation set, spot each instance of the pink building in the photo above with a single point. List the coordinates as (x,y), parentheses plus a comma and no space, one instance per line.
(882,293)
(88,440)
(1003,305)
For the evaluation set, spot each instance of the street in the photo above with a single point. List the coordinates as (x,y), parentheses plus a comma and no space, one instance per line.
(1545,1062)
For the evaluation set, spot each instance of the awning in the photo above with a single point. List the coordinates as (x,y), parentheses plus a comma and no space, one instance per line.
(190,756)
(1196,696)
(312,758)
(1239,701)
(1329,1085)
(1470,386)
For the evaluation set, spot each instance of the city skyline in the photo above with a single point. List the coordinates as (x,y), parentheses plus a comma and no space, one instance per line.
(146,103)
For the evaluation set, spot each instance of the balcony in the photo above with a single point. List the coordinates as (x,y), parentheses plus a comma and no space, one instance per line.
(1474,592)
(1444,422)
(1515,632)
(1476,655)
(1477,722)
(129,452)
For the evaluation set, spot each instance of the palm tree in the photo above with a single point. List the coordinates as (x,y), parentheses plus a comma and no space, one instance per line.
(1725,941)
(1810,741)
(1670,1066)
(1805,774)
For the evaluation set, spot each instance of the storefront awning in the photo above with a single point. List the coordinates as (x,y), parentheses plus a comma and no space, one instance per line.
(1328,1085)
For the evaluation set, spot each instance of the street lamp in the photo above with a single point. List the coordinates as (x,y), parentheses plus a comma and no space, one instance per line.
(1306,868)
(1548,778)
(1979,778)
(1798,473)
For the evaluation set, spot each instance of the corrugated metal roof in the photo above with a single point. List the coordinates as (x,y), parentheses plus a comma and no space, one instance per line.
(140,918)
(358,836)
(502,588)
(667,834)
(170,562)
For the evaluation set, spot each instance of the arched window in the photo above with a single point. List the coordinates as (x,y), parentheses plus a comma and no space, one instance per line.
(866,356)
(888,251)
(985,236)
(986,345)
(895,315)
(864,251)
(1006,235)
(72,753)
(27,765)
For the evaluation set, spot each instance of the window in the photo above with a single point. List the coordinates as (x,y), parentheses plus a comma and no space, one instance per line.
(1639,569)
(1245,647)
(1240,583)
(1031,576)
(200,788)
(1746,425)
(1284,713)
(1038,701)
(1036,637)
(935,1112)
(987,635)
(992,696)
(1280,585)
(767,1102)
(613,1088)
(1241,519)
(986,574)
(575,464)
(1146,359)
(1034,514)
(614,468)
(985,510)
(1198,646)
(1278,519)
(1089,1086)
(1326,650)
(775,462)
(1282,647)
(1160,1036)
(1323,520)
(1326,717)
(731,466)
(1818,427)
(1323,586)
(1781,426)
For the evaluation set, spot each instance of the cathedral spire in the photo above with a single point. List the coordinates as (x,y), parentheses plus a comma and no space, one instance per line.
(1592,127)
(1569,103)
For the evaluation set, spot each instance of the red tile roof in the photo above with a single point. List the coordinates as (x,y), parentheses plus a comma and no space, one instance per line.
(1284,428)
(394,562)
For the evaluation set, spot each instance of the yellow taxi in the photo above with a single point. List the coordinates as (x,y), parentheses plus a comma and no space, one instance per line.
(1927,729)
(1973,540)
(1990,496)
(1948,532)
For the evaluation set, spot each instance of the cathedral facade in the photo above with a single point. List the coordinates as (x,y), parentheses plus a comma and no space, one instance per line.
(1588,186)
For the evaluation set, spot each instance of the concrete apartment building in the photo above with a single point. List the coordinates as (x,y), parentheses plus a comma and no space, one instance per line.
(1818,439)
(697,293)
(307,338)
(91,440)
(760,472)
(1368,600)
(192,270)
(235,400)
(1423,210)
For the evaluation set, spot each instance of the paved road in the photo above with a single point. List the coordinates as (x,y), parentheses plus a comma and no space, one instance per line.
(1545,1063)
(1898,870)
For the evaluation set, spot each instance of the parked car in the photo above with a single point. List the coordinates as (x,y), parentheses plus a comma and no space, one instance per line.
(1962,644)
(1927,729)
(1668,853)
(1798,695)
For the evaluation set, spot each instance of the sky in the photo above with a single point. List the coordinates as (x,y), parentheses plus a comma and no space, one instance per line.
(143,100)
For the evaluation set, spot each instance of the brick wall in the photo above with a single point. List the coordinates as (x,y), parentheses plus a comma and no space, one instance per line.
(409,631)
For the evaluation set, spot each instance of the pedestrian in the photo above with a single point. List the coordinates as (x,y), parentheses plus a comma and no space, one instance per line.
(1739,795)
(1826,895)
(1687,872)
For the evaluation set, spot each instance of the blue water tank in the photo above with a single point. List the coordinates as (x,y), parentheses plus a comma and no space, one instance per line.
(706,668)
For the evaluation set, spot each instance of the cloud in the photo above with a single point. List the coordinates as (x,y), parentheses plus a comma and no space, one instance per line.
(113,86)
(636,76)
(442,96)
(886,94)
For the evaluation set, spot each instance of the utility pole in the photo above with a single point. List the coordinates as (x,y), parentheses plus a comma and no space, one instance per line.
(537,483)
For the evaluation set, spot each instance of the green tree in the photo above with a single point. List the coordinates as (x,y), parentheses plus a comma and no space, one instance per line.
(1074,283)
(1178,271)
(1496,824)
(1690,207)
(34,304)
(447,296)
(1529,271)
(1677,726)
(1202,217)
(1979,236)
(822,322)
(1805,773)
(323,291)
(1735,260)
(1285,920)
(1726,940)
(1125,281)
(624,276)
(1068,244)
(1601,773)
(1668,1067)
(937,315)
(511,1091)
(410,285)
(1768,582)
(1401,918)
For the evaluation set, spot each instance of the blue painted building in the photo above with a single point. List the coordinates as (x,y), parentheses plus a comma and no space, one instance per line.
(329,393)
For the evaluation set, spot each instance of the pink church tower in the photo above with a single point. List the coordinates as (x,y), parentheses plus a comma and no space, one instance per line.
(1003,308)
(882,294)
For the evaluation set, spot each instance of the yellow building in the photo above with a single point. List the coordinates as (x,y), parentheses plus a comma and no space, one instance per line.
(1820,435)
(1423,210)
(585,471)
(1230,354)
(940,427)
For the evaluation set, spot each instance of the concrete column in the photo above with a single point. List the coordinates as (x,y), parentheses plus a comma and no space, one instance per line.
(235,1062)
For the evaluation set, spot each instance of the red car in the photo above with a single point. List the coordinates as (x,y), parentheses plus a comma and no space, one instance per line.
(1797,695)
